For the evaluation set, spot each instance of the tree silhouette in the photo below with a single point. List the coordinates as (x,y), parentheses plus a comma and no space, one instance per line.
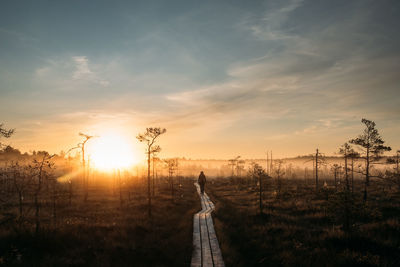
(393,176)
(233,163)
(279,172)
(41,169)
(81,145)
(258,173)
(348,152)
(336,169)
(5,133)
(240,167)
(172,165)
(317,160)
(149,137)
(372,146)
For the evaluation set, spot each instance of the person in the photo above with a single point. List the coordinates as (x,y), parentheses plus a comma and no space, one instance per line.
(202,181)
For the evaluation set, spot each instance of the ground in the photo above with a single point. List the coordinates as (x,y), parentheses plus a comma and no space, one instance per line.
(300,228)
(100,232)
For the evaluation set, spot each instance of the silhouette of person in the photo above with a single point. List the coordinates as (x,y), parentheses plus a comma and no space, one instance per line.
(202,181)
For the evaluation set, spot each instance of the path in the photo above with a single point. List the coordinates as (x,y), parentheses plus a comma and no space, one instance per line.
(206,250)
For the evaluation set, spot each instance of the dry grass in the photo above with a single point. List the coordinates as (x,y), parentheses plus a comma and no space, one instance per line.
(101,233)
(302,229)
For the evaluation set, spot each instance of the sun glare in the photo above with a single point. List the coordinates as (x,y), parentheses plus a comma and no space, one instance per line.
(111,151)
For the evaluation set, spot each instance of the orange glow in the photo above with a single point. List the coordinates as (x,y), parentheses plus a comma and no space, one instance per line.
(111,151)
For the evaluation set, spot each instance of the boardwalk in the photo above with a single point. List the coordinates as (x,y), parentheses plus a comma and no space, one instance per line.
(206,250)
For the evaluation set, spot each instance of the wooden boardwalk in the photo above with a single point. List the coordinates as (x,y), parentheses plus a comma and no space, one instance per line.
(206,251)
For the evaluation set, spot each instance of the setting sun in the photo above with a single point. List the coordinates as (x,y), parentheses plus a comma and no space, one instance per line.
(111,151)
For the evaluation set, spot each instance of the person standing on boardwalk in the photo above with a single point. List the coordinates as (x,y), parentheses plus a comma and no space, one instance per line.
(202,181)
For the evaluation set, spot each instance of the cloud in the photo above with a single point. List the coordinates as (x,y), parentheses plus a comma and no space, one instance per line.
(82,68)
(70,74)
(314,81)
(83,72)
(270,25)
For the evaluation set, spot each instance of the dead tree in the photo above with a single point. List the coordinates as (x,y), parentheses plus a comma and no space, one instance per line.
(149,137)
(393,176)
(397,168)
(156,179)
(233,164)
(5,133)
(239,167)
(172,165)
(279,173)
(318,160)
(20,182)
(348,152)
(258,173)
(154,160)
(335,169)
(41,170)
(81,146)
(372,147)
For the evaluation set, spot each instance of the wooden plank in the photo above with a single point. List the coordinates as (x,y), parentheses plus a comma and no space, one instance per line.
(205,243)
(206,250)
(196,255)
(216,251)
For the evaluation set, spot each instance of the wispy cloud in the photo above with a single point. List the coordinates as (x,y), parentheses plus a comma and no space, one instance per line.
(82,68)
(269,27)
(83,72)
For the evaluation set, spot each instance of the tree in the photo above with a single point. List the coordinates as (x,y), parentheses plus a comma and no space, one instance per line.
(393,176)
(258,173)
(372,147)
(81,145)
(239,167)
(317,160)
(348,152)
(156,160)
(335,169)
(233,163)
(149,137)
(20,183)
(172,165)
(41,170)
(279,172)
(5,133)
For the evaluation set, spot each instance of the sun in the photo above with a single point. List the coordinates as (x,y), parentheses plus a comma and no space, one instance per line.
(111,151)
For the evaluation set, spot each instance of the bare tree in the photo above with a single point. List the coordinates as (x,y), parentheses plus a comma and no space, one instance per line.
(258,173)
(335,169)
(279,172)
(318,159)
(233,163)
(20,184)
(5,133)
(172,165)
(154,160)
(372,147)
(348,152)
(393,176)
(41,170)
(85,178)
(149,137)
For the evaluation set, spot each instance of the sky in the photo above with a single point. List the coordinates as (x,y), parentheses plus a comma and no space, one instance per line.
(225,78)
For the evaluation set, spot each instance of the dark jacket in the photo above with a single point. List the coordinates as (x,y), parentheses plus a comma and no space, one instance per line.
(202,178)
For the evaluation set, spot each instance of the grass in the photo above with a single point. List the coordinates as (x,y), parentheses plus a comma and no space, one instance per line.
(302,229)
(101,233)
